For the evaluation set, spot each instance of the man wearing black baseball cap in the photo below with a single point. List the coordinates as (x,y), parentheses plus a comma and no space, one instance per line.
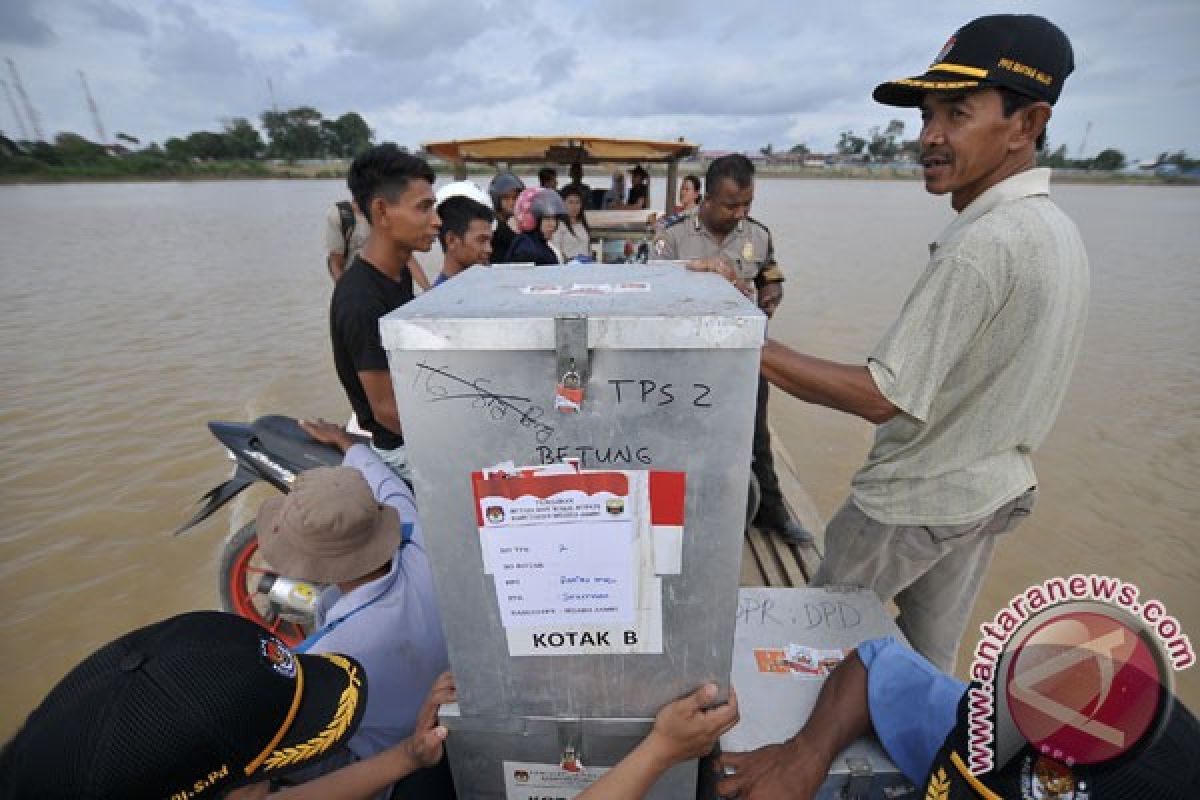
(1024,53)
(967,382)
(198,706)
(1025,59)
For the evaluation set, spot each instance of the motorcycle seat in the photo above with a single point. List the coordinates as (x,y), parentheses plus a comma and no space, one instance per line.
(283,439)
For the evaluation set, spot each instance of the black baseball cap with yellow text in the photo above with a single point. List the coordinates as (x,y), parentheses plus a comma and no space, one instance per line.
(1023,52)
(187,708)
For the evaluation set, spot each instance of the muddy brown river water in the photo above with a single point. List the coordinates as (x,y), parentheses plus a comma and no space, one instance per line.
(133,313)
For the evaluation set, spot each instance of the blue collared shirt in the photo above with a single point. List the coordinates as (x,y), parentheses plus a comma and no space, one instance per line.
(395,631)
(913,705)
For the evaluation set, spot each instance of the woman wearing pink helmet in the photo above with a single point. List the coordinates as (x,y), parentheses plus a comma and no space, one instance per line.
(537,212)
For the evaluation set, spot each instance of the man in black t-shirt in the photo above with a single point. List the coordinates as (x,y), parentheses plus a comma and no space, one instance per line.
(395,192)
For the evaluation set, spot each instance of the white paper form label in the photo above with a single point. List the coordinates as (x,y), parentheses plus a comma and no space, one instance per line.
(573,558)
(527,781)
(582,572)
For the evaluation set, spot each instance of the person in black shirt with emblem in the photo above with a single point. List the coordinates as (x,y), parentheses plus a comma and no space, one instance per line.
(395,192)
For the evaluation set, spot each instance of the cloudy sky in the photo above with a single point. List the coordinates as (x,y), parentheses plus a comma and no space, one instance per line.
(729,74)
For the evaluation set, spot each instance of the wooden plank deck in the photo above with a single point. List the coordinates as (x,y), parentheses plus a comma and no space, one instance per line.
(767,560)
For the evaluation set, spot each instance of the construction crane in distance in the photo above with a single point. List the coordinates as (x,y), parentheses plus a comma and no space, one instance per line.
(16,114)
(34,122)
(95,111)
(1083,144)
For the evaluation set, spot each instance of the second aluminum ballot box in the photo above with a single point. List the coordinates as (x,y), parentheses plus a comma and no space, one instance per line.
(580,444)
(547,758)
(787,642)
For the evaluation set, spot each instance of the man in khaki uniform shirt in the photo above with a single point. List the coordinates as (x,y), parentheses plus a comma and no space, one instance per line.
(722,229)
(967,382)
(340,249)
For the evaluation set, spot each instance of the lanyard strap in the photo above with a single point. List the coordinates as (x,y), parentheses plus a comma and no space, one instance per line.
(307,644)
(405,536)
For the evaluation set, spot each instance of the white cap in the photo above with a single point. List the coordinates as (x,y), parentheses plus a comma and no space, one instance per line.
(463,189)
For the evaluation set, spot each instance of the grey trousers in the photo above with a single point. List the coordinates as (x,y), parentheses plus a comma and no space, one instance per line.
(933,572)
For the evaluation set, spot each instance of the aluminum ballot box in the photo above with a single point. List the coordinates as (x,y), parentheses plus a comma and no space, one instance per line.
(547,758)
(786,643)
(580,445)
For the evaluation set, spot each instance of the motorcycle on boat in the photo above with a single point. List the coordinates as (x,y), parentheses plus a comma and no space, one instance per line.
(273,449)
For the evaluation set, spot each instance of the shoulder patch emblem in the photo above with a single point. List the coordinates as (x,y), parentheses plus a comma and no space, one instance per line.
(1046,778)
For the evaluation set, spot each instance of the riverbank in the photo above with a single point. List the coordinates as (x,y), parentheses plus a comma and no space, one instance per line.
(118,171)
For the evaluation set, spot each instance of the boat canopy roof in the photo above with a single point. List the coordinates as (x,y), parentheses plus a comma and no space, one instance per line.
(559,150)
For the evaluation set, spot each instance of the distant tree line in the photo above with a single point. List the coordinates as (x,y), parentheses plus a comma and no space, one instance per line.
(888,145)
(304,133)
(237,140)
(883,145)
(299,133)
(1112,159)
(1109,159)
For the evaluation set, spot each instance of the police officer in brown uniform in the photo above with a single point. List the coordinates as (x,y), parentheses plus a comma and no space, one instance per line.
(722,228)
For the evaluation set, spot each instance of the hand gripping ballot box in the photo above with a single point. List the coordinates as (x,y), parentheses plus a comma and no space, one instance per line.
(787,642)
(580,446)
(547,758)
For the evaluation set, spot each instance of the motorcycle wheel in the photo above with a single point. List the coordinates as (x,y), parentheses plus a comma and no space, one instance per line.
(239,577)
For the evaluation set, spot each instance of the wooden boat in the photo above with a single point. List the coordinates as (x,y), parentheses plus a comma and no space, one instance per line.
(507,152)
(768,560)
(607,227)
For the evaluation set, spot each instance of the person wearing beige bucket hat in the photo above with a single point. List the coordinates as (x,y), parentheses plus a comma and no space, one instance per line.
(330,528)
(355,527)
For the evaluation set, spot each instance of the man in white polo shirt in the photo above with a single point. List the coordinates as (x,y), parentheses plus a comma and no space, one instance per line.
(967,382)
